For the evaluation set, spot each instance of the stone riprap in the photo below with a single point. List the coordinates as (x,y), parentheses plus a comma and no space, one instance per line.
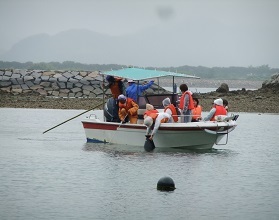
(272,83)
(70,84)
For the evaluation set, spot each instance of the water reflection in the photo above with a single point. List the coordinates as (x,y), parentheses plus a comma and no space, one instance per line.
(115,149)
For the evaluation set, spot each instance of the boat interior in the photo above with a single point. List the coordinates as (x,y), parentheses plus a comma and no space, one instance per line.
(155,100)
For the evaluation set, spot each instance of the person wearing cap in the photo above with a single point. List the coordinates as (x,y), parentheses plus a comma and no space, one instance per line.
(127,107)
(217,109)
(134,89)
(161,117)
(170,109)
(186,104)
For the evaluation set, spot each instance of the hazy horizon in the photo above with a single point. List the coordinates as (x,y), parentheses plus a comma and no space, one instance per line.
(206,32)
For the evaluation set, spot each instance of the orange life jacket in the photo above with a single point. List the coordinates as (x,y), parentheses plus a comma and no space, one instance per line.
(173,111)
(129,104)
(220,110)
(191,102)
(164,120)
(151,113)
(196,112)
(114,88)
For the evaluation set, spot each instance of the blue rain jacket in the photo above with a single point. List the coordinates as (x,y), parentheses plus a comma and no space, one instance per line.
(132,90)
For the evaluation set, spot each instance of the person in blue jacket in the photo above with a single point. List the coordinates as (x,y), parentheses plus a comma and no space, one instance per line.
(134,89)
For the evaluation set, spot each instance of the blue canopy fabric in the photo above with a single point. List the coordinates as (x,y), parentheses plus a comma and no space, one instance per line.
(143,74)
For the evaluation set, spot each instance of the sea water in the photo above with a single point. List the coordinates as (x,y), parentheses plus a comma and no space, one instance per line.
(200,90)
(57,175)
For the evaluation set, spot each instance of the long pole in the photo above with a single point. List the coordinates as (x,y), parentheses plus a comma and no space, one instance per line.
(117,129)
(73,118)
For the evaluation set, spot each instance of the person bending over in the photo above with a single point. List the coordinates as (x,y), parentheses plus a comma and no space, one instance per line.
(162,117)
(127,108)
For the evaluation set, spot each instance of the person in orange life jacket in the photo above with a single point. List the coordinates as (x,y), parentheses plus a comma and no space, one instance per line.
(115,85)
(170,109)
(196,112)
(225,104)
(127,107)
(150,111)
(162,117)
(186,104)
(134,90)
(218,109)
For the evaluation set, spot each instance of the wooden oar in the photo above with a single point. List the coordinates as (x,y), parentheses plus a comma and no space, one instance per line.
(73,118)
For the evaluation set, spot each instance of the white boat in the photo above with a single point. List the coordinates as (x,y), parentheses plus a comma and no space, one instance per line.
(193,135)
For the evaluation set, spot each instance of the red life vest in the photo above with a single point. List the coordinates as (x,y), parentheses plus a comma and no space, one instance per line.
(114,88)
(196,112)
(220,110)
(151,113)
(173,111)
(191,102)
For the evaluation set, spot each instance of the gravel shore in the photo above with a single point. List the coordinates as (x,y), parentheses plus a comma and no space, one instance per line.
(258,101)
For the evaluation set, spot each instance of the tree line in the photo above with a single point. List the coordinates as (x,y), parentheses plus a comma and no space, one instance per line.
(246,73)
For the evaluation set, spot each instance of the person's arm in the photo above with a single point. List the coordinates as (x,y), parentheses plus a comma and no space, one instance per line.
(158,123)
(148,130)
(156,126)
(122,114)
(168,111)
(210,115)
(186,103)
(134,109)
(146,86)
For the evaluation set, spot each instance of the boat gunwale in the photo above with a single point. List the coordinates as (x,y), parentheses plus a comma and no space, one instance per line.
(165,126)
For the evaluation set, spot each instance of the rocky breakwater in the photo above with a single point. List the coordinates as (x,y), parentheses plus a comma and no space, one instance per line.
(52,83)
(272,83)
(55,89)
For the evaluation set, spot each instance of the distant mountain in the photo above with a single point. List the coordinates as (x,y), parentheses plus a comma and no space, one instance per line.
(78,45)
(188,43)
(151,47)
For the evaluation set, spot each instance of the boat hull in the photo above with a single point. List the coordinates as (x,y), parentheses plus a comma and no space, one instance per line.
(196,135)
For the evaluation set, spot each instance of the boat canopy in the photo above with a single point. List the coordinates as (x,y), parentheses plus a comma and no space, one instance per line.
(143,74)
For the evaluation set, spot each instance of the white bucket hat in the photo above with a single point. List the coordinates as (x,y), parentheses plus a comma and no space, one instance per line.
(149,107)
(166,102)
(148,121)
(218,102)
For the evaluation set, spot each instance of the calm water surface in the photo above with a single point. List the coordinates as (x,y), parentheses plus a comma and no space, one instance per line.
(57,175)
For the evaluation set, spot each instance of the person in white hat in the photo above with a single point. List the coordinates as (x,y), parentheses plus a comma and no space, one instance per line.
(150,111)
(134,89)
(217,109)
(170,109)
(162,117)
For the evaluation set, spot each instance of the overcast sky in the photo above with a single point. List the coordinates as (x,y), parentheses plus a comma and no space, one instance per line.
(22,18)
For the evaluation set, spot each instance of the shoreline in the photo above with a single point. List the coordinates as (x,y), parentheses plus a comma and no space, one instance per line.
(257,101)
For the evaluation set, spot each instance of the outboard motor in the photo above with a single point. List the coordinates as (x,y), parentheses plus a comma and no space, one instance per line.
(111,110)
